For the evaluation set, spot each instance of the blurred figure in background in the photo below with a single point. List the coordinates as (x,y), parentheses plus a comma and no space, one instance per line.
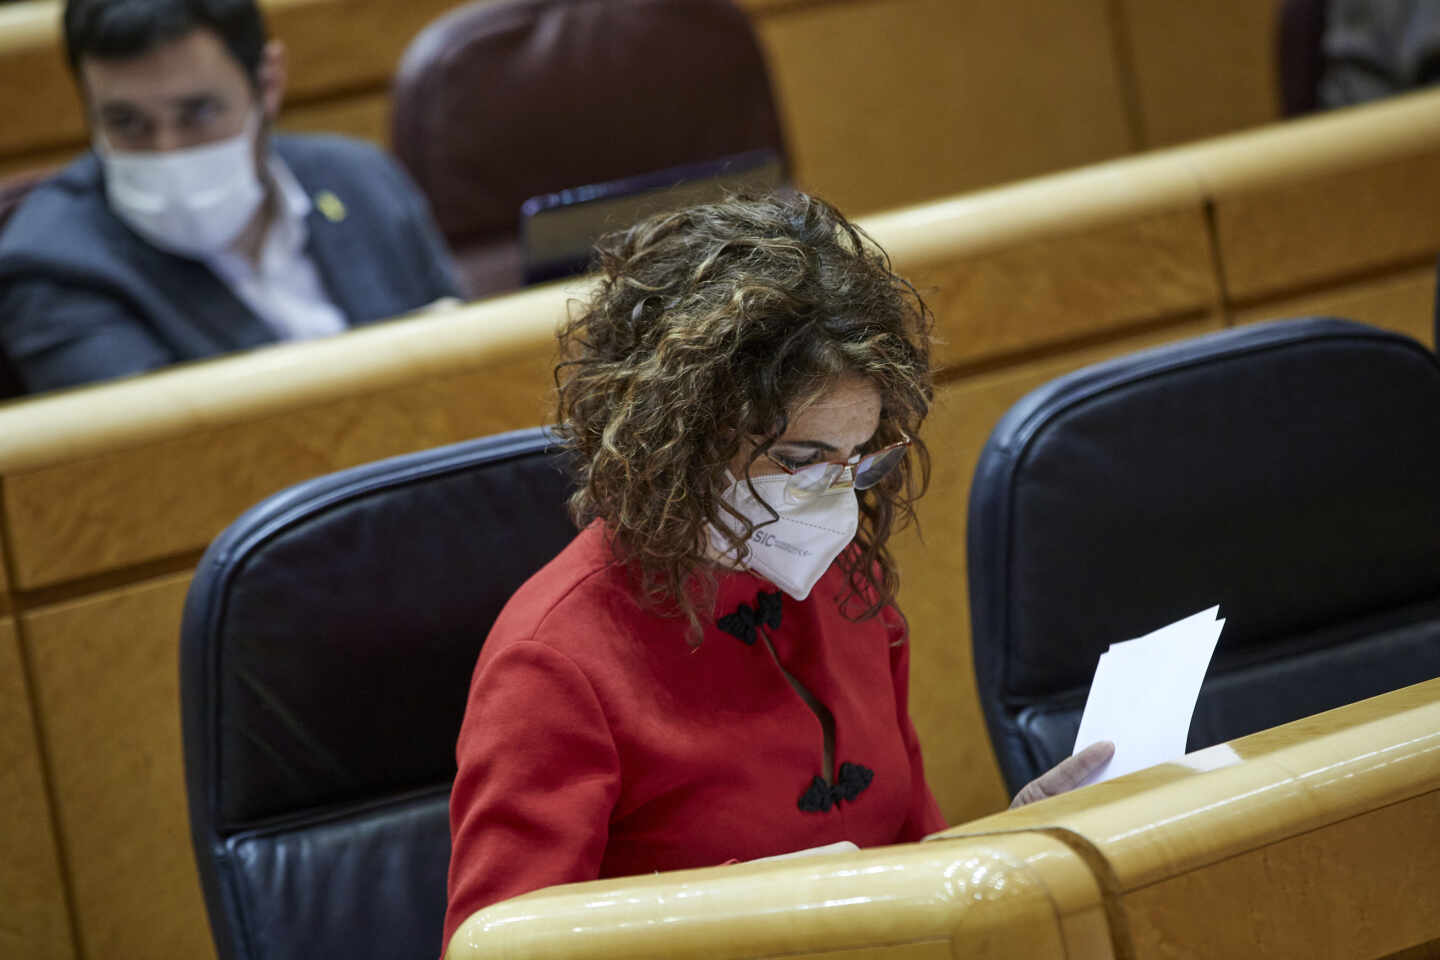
(192,229)
(1376,48)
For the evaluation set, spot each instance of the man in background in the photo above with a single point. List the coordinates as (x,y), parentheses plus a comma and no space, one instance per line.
(1378,48)
(191,228)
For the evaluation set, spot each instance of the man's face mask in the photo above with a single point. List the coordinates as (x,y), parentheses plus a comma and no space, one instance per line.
(193,202)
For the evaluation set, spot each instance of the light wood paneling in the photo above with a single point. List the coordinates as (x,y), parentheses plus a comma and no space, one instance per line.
(1363,887)
(897,101)
(1403,302)
(1286,237)
(1319,201)
(1015,896)
(34,922)
(41,105)
(365,117)
(1055,289)
(106,672)
(497,335)
(959,762)
(121,510)
(152,499)
(1059,258)
(1201,69)
(340,46)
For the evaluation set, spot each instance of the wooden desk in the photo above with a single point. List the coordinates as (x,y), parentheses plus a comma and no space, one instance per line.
(1323,840)
(1015,896)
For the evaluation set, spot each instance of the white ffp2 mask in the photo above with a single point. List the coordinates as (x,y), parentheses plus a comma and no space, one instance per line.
(794,552)
(192,202)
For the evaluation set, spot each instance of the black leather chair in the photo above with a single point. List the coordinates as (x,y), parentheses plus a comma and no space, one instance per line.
(328,641)
(1289,472)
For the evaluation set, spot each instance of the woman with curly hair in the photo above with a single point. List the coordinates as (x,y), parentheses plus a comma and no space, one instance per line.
(714,669)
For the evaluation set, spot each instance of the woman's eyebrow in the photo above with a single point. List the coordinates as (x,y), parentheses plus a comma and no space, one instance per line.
(812,444)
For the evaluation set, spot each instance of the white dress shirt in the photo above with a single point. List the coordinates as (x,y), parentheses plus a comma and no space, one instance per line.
(283,288)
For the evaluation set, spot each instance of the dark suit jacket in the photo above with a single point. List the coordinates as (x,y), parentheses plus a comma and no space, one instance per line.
(83,298)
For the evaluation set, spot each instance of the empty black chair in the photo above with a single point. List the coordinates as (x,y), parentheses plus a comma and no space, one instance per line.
(328,641)
(1289,472)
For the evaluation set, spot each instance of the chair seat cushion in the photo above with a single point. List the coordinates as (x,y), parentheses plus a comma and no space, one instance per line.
(301,886)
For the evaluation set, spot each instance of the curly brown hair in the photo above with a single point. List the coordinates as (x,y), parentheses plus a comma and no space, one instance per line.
(714,323)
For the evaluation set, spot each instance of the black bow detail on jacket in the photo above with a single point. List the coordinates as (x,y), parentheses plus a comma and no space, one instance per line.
(742,623)
(820,796)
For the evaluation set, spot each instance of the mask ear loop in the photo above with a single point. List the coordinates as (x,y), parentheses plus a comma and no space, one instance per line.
(733,489)
(760,449)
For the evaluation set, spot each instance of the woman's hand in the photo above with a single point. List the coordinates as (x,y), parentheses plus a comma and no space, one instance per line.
(1065,775)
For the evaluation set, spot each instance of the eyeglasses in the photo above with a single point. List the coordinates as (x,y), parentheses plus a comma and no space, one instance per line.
(861,471)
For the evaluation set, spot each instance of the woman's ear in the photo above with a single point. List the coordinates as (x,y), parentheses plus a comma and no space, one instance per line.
(272,77)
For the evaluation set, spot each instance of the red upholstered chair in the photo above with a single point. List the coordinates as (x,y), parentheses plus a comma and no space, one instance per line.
(497,102)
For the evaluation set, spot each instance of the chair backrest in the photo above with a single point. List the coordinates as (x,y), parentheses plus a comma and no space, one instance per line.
(503,100)
(326,651)
(1289,472)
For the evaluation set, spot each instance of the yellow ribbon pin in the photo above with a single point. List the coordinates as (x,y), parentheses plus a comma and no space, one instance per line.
(330,205)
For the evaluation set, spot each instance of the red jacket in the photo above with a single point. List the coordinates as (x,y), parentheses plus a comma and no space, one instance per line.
(598,743)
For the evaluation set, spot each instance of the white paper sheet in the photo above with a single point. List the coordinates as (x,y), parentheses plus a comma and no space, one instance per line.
(1211,758)
(1144,693)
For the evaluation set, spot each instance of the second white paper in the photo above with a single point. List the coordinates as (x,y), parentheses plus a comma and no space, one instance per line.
(1144,692)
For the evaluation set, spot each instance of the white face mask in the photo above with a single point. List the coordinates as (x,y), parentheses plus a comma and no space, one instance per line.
(794,552)
(193,202)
